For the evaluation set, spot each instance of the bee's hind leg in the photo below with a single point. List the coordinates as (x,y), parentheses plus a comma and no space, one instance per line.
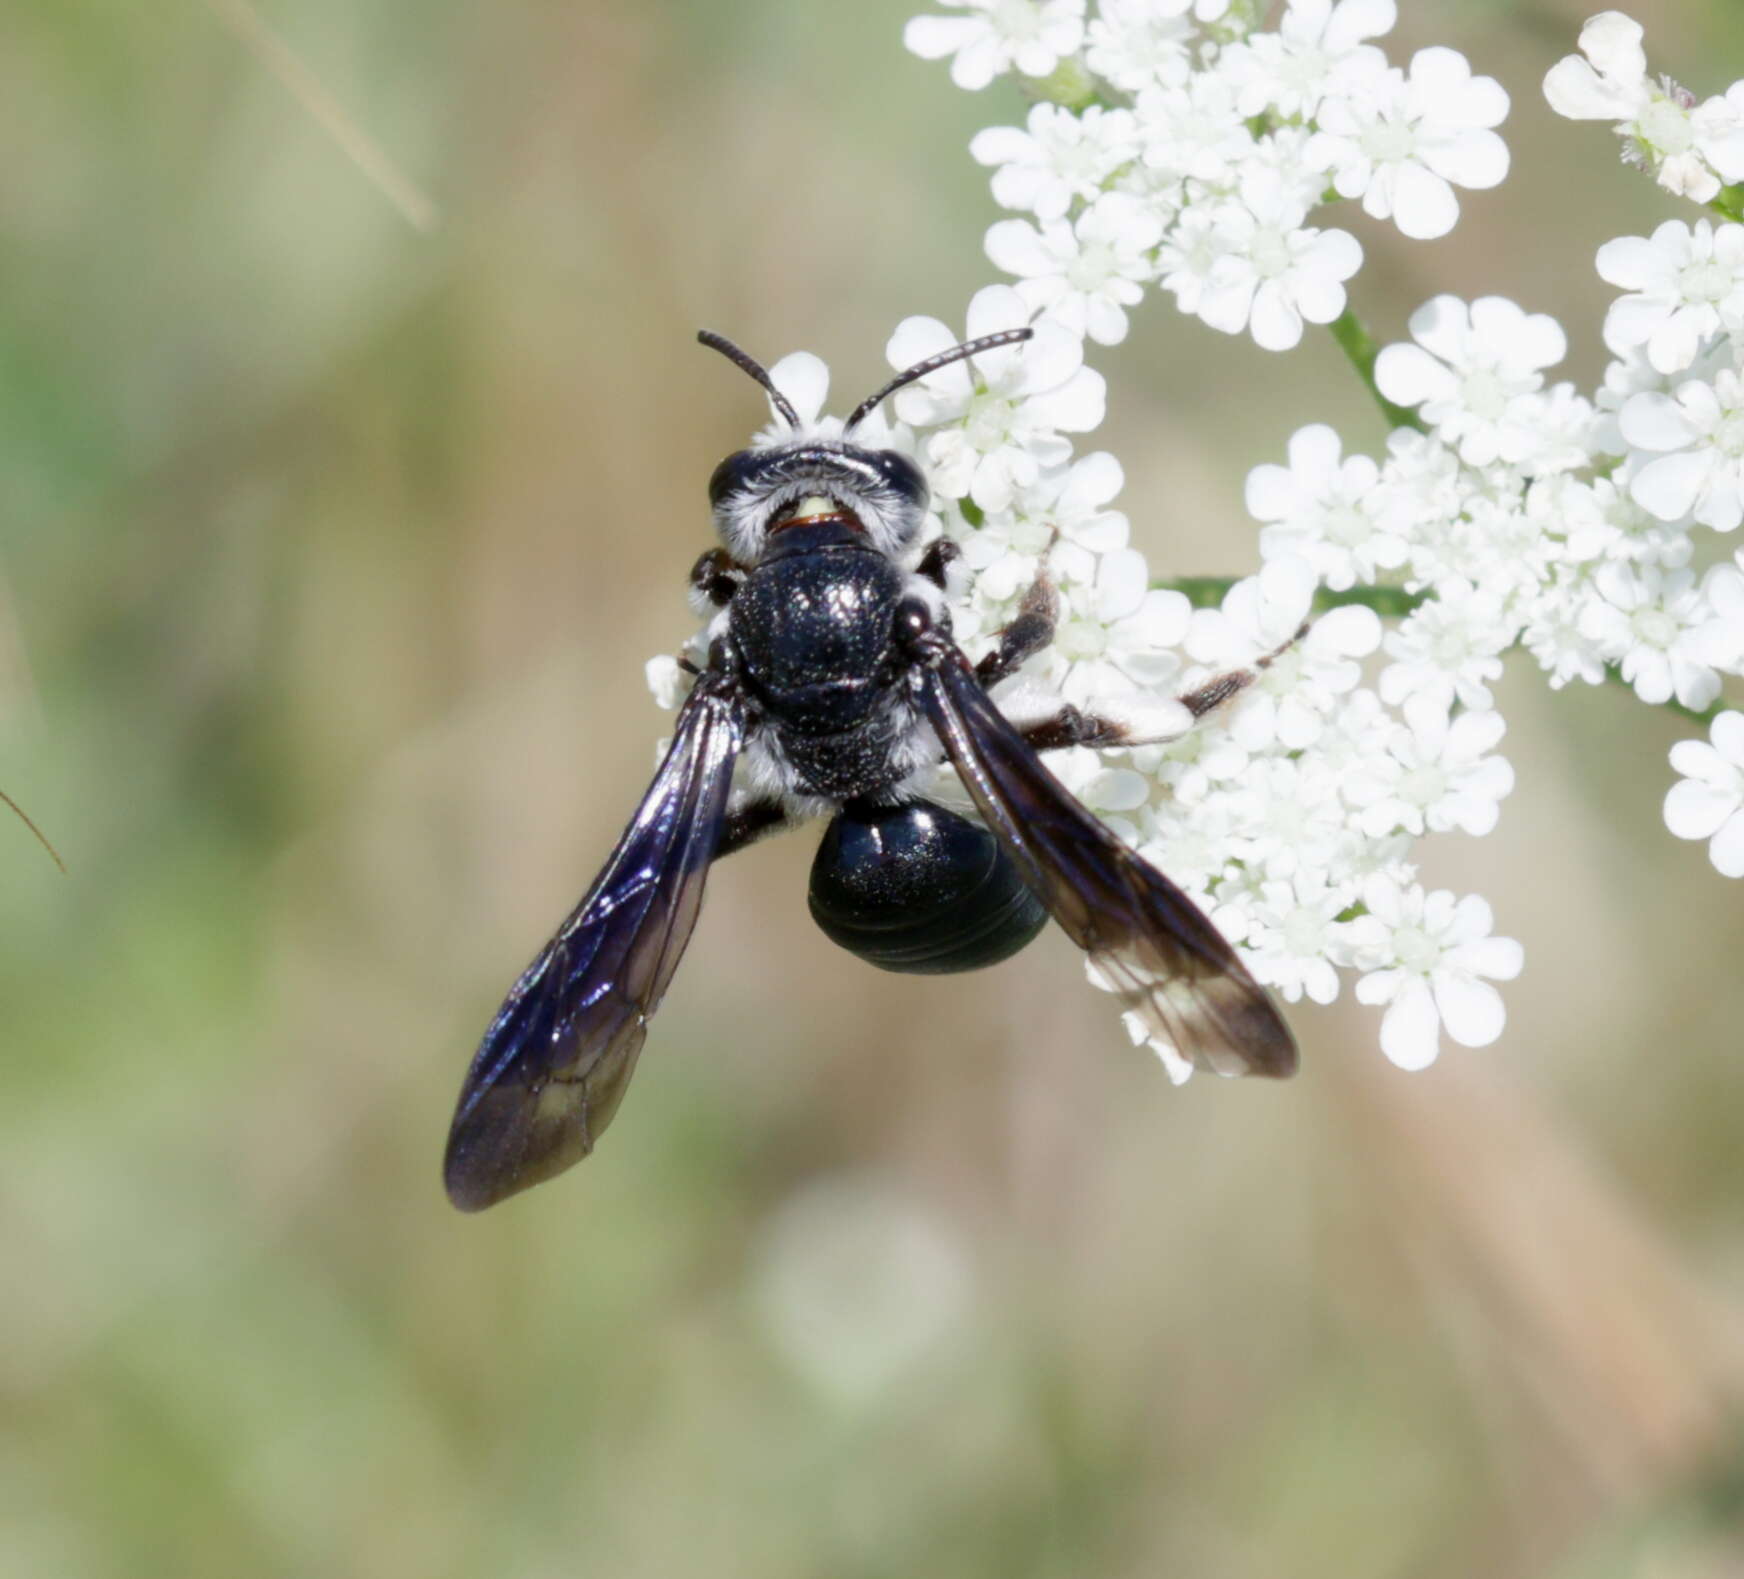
(1224,687)
(1112,724)
(750,821)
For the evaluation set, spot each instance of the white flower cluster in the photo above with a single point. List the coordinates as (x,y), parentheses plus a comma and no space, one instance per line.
(1667,438)
(1538,517)
(1505,513)
(1290,814)
(1215,145)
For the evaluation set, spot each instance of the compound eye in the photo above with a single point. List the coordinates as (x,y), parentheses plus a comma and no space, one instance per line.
(734,474)
(902,476)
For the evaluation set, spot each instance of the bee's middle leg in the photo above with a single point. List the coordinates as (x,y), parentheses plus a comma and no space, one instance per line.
(1032,631)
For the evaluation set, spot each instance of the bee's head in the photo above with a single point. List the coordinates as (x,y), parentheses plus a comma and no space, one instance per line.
(755,492)
(817,470)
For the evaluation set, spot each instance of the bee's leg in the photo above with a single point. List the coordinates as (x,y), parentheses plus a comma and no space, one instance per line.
(1220,689)
(1031,632)
(936,562)
(1152,725)
(1215,692)
(714,578)
(750,821)
(1109,725)
(1073,726)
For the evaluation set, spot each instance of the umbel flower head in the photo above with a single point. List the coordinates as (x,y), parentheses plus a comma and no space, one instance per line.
(1183,150)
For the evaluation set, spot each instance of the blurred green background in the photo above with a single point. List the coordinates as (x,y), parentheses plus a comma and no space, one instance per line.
(332,545)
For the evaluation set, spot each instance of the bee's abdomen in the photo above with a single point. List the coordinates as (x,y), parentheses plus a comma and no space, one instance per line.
(918,889)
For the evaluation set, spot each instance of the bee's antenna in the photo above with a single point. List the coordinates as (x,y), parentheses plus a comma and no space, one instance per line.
(756,369)
(931,365)
(41,837)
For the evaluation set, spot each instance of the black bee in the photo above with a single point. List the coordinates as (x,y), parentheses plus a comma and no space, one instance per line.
(832,687)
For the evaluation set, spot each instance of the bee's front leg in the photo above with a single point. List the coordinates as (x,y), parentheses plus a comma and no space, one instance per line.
(714,579)
(935,564)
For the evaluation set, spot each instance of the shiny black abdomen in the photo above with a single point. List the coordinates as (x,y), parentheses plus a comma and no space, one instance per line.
(812,626)
(916,888)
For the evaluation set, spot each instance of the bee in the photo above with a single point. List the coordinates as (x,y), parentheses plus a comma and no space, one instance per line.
(832,688)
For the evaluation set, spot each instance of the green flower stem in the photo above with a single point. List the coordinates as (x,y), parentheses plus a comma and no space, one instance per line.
(1730,202)
(1391,603)
(1069,85)
(1203,592)
(1357,344)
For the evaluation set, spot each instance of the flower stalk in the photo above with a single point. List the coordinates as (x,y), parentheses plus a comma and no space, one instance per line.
(1362,353)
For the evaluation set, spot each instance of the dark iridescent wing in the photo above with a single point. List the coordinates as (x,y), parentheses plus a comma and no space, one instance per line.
(554,1063)
(1165,962)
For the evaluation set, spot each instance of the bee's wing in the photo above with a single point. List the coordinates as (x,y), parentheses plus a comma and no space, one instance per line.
(1164,961)
(554,1063)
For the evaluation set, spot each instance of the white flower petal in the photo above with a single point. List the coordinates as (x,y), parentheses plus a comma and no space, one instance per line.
(1121,584)
(918,338)
(1274,323)
(1356,20)
(1726,849)
(976,63)
(1612,41)
(997,307)
(1668,486)
(1424,206)
(1353,630)
(1694,810)
(1652,421)
(1015,246)
(1627,261)
(934,37)
(1408,375)
(1727,733)
(1472,1011)
(1477,160)
(805,380)
(1578,93)
(1501,959)
(1411,1028)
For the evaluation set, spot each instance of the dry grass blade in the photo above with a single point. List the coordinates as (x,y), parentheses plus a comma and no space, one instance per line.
(306,88)
(41,837)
